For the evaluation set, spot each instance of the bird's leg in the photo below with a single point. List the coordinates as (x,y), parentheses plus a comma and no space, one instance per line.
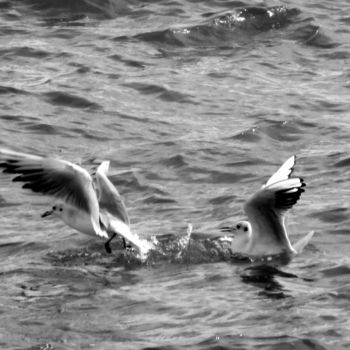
(107,246)
(124,243)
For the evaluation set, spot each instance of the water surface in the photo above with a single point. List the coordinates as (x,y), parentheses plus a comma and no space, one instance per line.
(195,111)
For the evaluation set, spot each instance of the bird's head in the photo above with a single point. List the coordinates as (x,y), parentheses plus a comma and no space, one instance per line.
(241,236)
(57,210)
(242,228)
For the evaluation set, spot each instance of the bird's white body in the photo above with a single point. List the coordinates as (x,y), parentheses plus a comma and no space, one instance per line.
(78,219)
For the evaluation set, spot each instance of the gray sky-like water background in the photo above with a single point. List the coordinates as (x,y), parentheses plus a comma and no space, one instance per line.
(194,112)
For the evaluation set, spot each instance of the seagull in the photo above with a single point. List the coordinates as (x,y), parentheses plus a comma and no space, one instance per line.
(265,233)
(91,205)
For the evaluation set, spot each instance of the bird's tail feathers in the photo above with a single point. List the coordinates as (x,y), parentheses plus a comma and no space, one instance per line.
(123,230)
(99,230)
(303,242)
(103,167)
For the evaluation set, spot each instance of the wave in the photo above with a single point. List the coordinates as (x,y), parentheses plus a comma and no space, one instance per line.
(4,90)
(161,92)
(78,9)
(255,18)
(332,215)
(238,27)
(269,342)
(61,98)
(222,29)
(238,24)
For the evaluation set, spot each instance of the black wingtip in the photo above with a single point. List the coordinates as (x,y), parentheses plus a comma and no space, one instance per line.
(287,198)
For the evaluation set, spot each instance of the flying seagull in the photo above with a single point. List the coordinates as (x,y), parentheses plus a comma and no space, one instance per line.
(90,205)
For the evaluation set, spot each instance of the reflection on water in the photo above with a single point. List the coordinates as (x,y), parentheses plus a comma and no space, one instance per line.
(263,276)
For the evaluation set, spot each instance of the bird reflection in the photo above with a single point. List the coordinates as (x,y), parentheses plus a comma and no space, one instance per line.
(264,277)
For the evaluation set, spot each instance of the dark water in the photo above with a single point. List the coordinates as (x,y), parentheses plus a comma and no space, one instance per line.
(195,104)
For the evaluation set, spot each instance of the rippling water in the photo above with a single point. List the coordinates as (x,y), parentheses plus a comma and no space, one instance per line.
(195,104)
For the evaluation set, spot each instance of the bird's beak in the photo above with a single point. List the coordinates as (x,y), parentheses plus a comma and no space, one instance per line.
(228,229)
(47,213)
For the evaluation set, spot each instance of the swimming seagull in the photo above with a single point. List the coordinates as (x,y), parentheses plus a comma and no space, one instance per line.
(265,233)
(90,205)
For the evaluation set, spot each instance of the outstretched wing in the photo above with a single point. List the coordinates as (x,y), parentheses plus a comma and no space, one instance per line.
(108,196)
(113,212)
(283,173)
(53,177)
(266,210)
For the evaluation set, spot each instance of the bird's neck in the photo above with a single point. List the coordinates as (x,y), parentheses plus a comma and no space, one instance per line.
(240,244)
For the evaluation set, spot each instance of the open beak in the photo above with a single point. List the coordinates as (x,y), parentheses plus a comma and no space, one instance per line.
(228,229)
(47,213)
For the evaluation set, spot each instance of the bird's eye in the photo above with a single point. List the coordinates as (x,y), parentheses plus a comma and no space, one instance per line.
(238,226)
(61,209)
(246,229)
(54,207)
